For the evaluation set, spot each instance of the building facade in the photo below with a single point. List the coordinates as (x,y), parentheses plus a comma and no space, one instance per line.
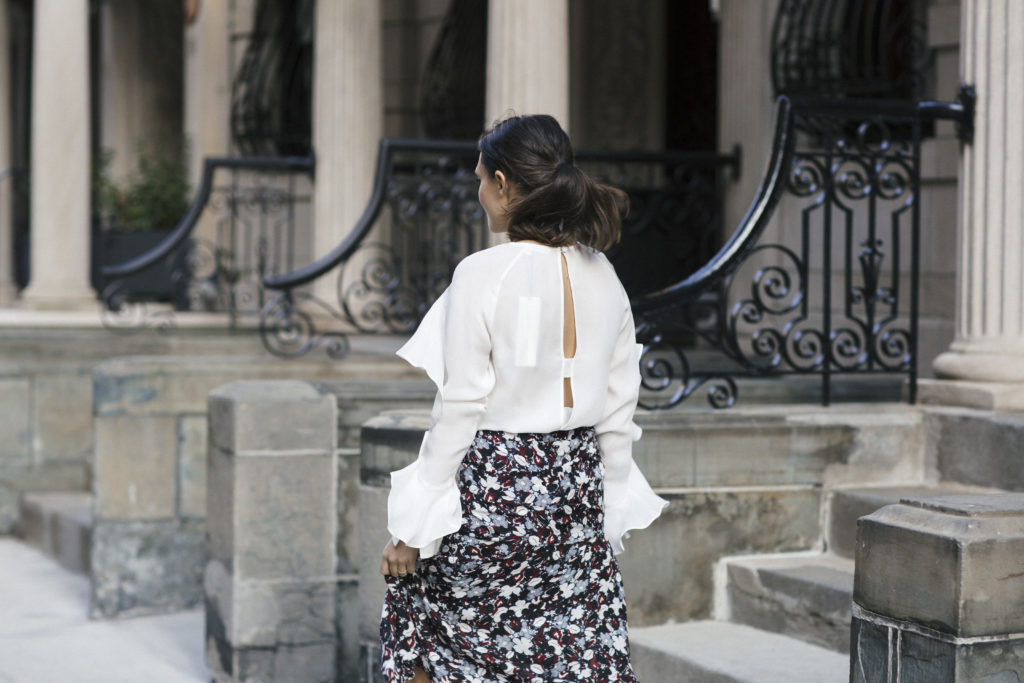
(112,79)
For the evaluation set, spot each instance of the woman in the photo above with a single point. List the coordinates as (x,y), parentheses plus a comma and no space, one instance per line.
(525,483)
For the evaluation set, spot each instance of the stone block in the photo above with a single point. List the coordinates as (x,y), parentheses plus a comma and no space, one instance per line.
(347,611)
(284,516)
(192,455)
(950,564)
(882,646)
(363,400)
(939,157)
(260,613)
(373,510)
(15,427)
(944,25)
(732,455)
(348,512)
(282,416)
(721,652)
(220,503)
(370,655)
(180,385)
(850,504)
(8,508)
(980,395)
(389,442)
(272,489)
(977,447)
(804,597)
(146,567)
(60,524)
(62,416)
(308,663)
(136,466)
(697,529)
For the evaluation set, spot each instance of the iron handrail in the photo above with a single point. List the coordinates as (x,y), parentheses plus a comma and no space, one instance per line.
(188,223)
(385,161)
(750,228)
(759,214)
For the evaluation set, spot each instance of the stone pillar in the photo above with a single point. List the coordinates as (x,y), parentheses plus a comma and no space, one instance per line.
(388,442)
(8,290)
(207,91)
(989,340)
(348,115)
(938,593)
(272,520)
(528,59)
(140,86)
(60,157)
(527,62)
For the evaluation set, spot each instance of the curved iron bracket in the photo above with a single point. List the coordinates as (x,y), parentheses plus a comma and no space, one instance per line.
(188,223)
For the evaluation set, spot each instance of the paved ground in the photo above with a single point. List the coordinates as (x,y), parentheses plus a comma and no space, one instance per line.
(47,637)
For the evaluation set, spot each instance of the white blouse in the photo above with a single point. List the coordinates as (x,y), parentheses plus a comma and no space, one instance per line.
(492,343)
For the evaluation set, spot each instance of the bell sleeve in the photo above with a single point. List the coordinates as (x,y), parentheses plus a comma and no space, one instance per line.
(630,503)
(453,346)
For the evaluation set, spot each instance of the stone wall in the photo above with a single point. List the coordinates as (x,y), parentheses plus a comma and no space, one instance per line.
(150,465)
(746,106)
(750,480)
(46,431)
(938,593)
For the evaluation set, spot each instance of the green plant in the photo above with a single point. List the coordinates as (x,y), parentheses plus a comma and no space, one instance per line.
(153,197)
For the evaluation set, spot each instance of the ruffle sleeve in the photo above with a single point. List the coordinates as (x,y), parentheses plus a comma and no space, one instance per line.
(452,344)
(629,504)
(425,348)
(421,513)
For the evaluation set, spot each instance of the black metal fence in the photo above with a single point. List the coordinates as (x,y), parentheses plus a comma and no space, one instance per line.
(387,273)
(832,287)
(249,209)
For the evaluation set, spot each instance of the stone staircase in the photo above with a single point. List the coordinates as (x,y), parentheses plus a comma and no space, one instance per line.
(60,524)
(781,617)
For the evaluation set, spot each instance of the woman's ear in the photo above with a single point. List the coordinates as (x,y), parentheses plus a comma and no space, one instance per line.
(502,181)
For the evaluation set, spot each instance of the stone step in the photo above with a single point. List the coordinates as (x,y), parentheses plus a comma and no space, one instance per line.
(722,652)
(60,524)
(849,505)
(804,596)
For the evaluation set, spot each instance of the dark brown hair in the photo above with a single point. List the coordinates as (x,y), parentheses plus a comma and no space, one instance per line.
(556,202)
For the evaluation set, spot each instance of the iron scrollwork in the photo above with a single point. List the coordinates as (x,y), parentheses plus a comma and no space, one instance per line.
(839,295)
(252,206)
(389,272)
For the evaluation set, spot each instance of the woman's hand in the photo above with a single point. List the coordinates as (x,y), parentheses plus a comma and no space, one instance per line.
(398,560)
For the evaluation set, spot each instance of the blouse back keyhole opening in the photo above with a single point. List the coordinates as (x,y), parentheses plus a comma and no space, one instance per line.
(568,331)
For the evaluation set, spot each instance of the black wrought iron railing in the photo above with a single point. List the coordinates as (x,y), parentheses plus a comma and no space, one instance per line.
(250,208)
(387,273)
(835,289)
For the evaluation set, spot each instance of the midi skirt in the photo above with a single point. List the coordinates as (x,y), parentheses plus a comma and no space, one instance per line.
(527,590)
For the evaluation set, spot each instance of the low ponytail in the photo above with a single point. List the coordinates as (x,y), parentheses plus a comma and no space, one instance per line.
(557,203)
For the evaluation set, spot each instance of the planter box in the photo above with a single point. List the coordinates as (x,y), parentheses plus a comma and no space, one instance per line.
(156,283)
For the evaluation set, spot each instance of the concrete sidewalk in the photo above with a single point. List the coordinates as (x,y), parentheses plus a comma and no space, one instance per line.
(47,637)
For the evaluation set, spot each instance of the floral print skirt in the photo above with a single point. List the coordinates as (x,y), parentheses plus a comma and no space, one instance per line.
(527,589)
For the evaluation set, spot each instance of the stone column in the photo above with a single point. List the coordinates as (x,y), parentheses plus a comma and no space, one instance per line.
(388,442)
(938,593)
(347,119)
(272,521)
(527,62)
(8,290)
(207,91)
(60,157)
(989,342)
(528,59)
(140,86)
